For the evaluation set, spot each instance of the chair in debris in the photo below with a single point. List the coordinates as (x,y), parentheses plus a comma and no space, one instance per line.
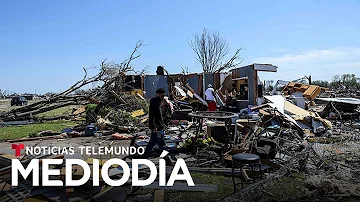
(242,160)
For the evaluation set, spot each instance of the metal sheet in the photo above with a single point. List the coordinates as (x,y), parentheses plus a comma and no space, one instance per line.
(154,82)
(265,67)
(209,79)
(278,103)
(353,101)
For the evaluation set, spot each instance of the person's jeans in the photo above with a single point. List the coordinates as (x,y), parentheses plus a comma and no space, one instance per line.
(156,138)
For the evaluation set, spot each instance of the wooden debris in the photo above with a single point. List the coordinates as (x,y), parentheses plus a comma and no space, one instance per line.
(69,190)
(196,95)
(137,113)
(144,119)
(141,97)
(159,196)
(80,110)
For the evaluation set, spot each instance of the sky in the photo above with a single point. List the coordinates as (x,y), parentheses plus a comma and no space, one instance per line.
(44,44)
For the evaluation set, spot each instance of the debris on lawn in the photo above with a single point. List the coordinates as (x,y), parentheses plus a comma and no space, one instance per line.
(299,143)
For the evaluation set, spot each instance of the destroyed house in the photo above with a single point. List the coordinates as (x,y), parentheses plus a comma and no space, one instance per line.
(146,85)
(246,81)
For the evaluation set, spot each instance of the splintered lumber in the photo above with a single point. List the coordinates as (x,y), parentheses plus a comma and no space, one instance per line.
(312,92)
(259,107)
(117,97)
(141,97)
(184,187)
(196,95)
(144,119)
(80,110)
(190,94)
(137,113)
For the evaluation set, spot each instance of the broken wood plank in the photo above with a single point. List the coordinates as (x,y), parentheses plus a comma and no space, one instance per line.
(140,96)
(69,190)
(144,119)
(117,97)
(259,107)
(159,195)
(190,94)
(196,95)
(80,110)
(137,113)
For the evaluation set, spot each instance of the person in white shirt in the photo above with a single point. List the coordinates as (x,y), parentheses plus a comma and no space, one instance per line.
(210,98)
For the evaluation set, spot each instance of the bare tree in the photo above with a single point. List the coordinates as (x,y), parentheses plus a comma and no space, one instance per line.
(185,70)
(269,85)
(211,50)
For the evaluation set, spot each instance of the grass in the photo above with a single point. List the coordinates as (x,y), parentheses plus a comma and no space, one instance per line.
(4,102)
(5,106)
(15,132)
(287,187)
(224,188)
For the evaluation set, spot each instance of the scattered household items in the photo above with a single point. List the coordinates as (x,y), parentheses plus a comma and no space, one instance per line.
(221,124)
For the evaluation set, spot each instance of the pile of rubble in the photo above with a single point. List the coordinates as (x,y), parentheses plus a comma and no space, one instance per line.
(299,138)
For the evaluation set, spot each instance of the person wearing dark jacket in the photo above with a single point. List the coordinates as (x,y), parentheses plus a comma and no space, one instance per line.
(157,114)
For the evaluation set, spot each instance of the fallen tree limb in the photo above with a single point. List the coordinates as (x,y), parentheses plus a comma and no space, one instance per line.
(30,114)
(109,74)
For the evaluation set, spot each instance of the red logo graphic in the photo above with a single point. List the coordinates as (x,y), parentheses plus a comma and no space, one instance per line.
(17,148)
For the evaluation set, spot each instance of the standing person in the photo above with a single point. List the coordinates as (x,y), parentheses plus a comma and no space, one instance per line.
(210,98)
(157,115)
